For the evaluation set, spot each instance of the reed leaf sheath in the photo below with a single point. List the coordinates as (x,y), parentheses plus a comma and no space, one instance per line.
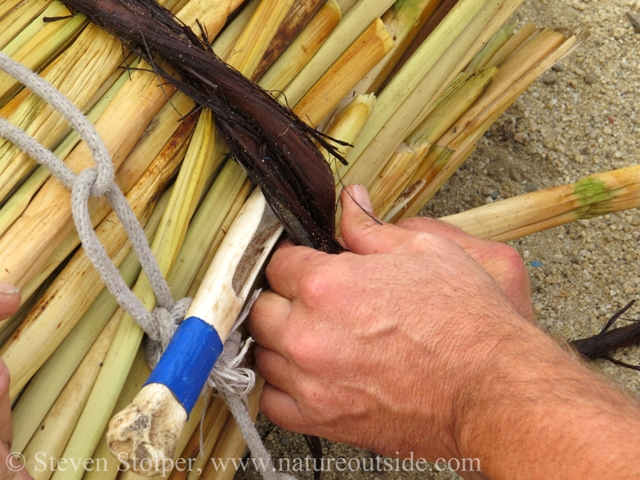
(257,35)
(296,20)
(54,431)
(47,221)
(164,124)
(303,48)
(40,50)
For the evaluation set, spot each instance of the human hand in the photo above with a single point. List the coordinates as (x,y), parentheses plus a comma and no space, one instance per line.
(380,346)
(9,303)
(500,261)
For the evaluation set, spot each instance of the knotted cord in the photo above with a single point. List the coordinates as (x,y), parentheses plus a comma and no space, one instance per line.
(231,381)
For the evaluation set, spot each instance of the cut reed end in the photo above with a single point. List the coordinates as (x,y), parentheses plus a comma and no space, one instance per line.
(145,434)
(349,123)
(347,127)
(365,53)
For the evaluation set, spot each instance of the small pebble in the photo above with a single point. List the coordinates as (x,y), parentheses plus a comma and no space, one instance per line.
(494,194)
(589,79)
(285,442)
(619,32)
(530,187)
(559,67)
(536,285)
(550,78)
(521,138)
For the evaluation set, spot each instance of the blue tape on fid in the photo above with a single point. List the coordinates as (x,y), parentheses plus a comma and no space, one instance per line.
(188,360)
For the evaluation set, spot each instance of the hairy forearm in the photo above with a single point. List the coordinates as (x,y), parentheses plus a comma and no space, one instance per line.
(537,413)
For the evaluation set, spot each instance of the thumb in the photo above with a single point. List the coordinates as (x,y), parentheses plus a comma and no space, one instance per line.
(361,230)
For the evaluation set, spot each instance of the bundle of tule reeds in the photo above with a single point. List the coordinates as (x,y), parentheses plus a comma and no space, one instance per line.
(408,87)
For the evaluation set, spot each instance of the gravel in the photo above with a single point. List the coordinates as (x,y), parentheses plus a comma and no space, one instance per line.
(577,120)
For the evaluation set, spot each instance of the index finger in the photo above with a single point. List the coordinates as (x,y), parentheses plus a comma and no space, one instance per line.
(288,265)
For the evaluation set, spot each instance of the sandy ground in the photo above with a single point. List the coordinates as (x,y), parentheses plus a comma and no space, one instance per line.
(578,121)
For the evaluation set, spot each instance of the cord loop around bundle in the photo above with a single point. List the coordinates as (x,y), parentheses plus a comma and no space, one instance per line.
(99,181)
(232,381)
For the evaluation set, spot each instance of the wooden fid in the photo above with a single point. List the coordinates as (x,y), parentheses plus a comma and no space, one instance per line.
(144,435)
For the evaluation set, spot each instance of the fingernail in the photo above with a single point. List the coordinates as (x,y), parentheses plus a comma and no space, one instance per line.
(6,289)
(361,197)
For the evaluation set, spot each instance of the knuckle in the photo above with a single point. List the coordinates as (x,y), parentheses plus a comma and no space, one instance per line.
(511,257)
(510,266)
(419,242)
(316,285)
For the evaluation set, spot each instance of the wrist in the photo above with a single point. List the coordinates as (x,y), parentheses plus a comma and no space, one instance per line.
(535,402)
(482,361)
(509,363)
